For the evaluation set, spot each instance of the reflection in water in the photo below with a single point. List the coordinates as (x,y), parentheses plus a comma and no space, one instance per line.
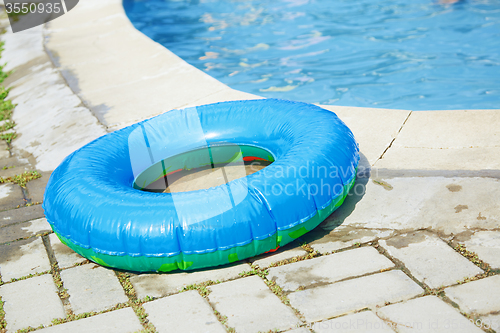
(420,54)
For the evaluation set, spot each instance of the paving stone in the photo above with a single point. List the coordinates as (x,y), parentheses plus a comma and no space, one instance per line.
(299,330)
(429,259)
(4,149)
(118,321)
(284,253)
(365,321)
(13,170)
(342,297)
(185,312)
(158,285)
(329,269)
(486,244)
(426,314)
(431,202)
(31,302)
(344,236)
(250,306)
(36,188)
(21,215)
(23,258)
(92,288)
(11,196)
(65,256)
(479,297)
(489,321)
(22,230)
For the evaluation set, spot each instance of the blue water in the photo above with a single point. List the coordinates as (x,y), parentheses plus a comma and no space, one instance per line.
(414,54)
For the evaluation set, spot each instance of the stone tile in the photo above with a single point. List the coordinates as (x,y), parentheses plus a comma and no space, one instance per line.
(486,244)
(4,150)
(478,297)
(23,258)
(11,196)
(446,140)
(43,97)
(343,237)
(92,288)
(13,170)
(489,321)
(185,312)
(426,314)
(22,230)
(250,306)
(342,297)
(474,158)
(329,269)
(299,330)
(158,285)
(412,203)
(362,121)
(450,129)
(21,215)
(118,321)
(31,302)
(361,322)
(36,188)
(430,259)
(288,252)
(65,256)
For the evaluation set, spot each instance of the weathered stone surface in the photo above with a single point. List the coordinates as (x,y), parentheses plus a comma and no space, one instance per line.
(486,244)
(250,306)
(429,259)
(299,330)
(158,285)
(364,321)
(478,297)
(23,258)
(11,196)
(22,230)
(489,321)
(426,314)
(118,321)
(288,252)
(446,140)
(4,150)
(327,240)
(362,121)
(36,188)
(99,68)
(342,297)
(65,256)
(31,302)
(329,269)
(92,288)
(14,170)
(21,215)
(185,312)
(448,205)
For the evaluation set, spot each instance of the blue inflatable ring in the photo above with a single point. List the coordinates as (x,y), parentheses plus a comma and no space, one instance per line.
(96,205)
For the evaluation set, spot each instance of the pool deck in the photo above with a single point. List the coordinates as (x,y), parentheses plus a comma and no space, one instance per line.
(415,246)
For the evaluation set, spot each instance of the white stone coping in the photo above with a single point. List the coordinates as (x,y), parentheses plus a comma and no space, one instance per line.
(123,77)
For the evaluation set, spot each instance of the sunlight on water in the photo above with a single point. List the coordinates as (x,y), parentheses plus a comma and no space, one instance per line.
(418,55)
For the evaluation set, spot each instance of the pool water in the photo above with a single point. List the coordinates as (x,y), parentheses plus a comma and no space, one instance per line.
(415,54)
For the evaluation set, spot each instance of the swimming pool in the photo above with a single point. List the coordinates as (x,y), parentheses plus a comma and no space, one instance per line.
(416,55)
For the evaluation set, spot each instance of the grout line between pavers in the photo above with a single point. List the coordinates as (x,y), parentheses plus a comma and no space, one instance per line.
(134,302)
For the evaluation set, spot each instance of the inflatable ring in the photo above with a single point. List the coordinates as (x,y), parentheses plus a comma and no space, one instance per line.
(103,201)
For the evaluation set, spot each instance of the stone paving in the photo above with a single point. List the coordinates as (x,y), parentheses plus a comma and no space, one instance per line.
(417,249)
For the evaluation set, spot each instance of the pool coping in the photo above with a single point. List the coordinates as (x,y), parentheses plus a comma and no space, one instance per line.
(121,76)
